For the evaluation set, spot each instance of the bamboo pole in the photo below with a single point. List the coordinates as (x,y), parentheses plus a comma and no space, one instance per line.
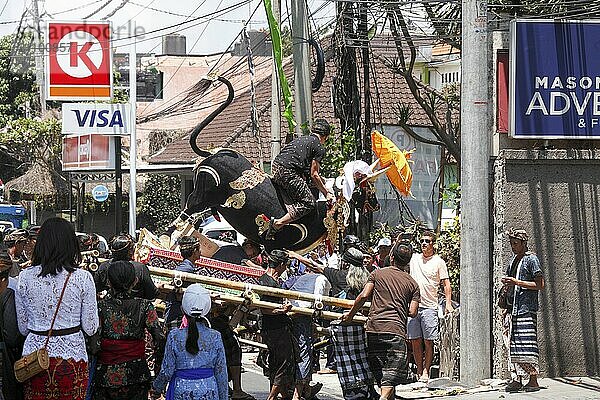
(261,290)
(265,305)
(252,343)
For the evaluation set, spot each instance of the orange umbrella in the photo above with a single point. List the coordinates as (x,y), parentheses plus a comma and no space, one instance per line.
(391,156)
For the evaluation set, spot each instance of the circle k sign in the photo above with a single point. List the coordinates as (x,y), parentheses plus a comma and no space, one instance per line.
(79,63)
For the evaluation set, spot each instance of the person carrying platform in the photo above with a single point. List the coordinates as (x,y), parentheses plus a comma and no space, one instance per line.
(189,246)
(122,247)
(299,160)
(277,332)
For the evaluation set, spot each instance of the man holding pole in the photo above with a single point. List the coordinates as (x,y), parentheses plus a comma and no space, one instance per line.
(394,297)
(277,333)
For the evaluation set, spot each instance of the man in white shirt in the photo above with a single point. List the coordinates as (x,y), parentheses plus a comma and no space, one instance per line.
(429,270)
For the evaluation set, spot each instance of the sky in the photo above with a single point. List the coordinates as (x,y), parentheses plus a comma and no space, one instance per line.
(203,36)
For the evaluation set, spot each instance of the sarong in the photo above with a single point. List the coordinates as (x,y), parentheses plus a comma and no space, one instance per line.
(296,188)
(283,355)
(524,354)
(303,333)
(63,380)
(233,350)
(386,353)
(352,365)
(128,392)
(188,374)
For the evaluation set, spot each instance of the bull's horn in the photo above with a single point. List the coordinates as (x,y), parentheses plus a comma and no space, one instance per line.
(373,177)
(372,166)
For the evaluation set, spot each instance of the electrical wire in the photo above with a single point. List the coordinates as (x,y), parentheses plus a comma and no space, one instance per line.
(183,60)
(51,15)
(233,21)
(158,114)
(113,12)
(96,11)
(197,20)
(4,7)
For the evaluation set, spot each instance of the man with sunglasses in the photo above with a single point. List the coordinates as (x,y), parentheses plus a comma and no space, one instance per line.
(429,271)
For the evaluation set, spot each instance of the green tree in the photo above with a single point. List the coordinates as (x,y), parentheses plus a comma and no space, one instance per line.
(28,141)
(159,203)
(17,79)
(340,148)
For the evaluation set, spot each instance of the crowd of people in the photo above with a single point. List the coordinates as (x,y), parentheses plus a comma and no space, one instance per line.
(98,328)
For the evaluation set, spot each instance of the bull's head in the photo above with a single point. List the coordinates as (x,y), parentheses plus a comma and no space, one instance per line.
(207,190)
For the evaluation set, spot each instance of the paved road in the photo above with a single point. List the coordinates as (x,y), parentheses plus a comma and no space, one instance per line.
(254,382)
(586,388)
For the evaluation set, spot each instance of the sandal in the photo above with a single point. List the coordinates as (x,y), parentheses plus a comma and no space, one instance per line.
(271,231)
(513,387)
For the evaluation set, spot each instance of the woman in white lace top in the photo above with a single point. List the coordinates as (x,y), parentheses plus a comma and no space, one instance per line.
(55,262)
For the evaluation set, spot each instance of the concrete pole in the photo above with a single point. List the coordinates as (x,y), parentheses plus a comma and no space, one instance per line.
(39,56)
(275,94)
(132,137)
(475,318)
(302,81)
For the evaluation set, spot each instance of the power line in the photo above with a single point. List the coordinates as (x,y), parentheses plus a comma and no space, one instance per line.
(182,61)
(113,12)
(159,113)
(197,20)
(4,7)
(234,21)
(103,6)
(191,96)
(75,8)
(141,11)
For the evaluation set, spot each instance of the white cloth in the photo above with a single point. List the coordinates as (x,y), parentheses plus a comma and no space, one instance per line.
(428,272)
(349,169)
(330,261)
(36,300)
(311,283)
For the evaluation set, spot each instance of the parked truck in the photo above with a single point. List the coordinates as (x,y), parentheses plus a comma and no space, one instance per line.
(11,214)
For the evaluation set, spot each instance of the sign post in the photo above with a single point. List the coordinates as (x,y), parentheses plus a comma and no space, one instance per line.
(132,137)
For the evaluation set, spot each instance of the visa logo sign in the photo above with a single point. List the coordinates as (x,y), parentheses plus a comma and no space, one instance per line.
(100,118)
(96,118)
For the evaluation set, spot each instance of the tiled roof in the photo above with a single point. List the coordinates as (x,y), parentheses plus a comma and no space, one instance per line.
(232,128)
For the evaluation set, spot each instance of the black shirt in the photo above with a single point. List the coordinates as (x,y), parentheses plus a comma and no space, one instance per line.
(272,321)
(144,288)
(337,278)
(299,154)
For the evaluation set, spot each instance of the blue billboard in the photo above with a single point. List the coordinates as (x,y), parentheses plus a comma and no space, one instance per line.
(555,79)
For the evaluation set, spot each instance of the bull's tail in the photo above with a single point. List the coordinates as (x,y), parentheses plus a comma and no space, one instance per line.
(198,128)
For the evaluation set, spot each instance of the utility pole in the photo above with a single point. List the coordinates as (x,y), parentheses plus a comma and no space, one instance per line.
(39,52)
(475,318)
(275,94)
(132,137)
(118,187)
(365,221)
(302,81)
(345,87)
(363,31)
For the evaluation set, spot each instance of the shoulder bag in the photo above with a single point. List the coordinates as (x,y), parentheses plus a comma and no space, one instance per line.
(32,364)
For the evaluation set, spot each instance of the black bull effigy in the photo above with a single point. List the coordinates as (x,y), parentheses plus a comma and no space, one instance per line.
(225,181)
